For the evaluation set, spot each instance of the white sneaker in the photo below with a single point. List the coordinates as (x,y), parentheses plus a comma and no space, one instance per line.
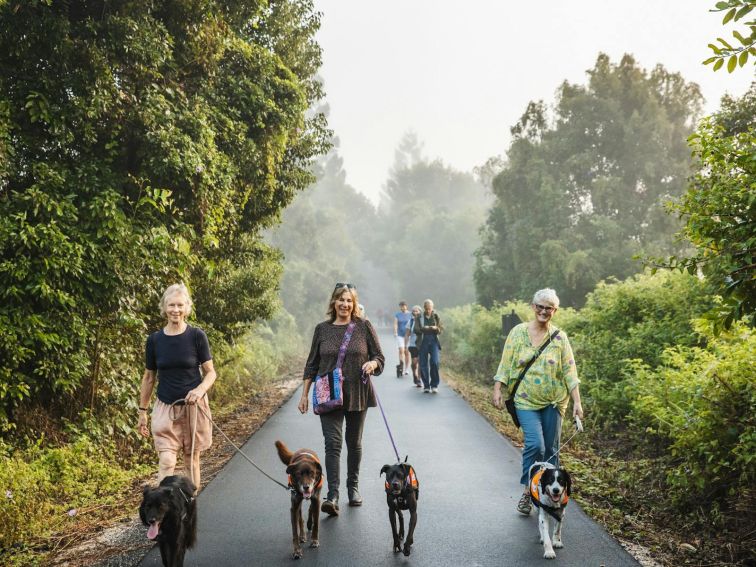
(406,372)
(426,391)
(434,390)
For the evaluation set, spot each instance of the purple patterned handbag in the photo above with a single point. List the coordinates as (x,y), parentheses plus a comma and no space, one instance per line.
(327,394)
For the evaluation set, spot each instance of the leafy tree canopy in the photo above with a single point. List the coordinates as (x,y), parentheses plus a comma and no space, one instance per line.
(744,45)
(584,182)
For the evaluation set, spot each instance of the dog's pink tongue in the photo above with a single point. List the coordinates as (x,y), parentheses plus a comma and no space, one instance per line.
(152,533)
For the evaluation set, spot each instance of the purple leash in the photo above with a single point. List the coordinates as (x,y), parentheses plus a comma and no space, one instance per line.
(365,380)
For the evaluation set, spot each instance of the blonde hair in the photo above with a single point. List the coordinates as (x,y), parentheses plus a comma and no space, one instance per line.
(172,290)
(337,293)
(546,295)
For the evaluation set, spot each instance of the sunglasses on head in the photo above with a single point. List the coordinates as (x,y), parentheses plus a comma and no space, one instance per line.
(342,284)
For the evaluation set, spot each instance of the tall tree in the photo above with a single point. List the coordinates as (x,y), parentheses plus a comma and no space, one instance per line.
(145,142)
(584,185)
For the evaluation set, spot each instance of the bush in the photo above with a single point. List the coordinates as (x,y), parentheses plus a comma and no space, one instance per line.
(634,319)
(43,488)
(702,402)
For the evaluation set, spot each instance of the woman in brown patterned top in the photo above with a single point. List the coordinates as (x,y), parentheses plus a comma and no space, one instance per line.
(362,355)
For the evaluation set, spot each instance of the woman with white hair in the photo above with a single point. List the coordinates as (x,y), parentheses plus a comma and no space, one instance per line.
(178,358)
(544,393)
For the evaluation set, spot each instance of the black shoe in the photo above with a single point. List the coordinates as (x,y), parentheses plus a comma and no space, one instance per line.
(330,507)
(354,497)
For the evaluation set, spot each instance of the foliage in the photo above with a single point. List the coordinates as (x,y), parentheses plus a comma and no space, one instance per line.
(734,10)
(141,144)
(634,319)
(702,401)
(719,207)
(582,190)
(44,488)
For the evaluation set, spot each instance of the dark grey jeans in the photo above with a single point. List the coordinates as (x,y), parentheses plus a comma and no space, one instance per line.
(332,424)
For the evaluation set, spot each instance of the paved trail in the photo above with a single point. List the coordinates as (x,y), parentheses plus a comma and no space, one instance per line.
(468,491)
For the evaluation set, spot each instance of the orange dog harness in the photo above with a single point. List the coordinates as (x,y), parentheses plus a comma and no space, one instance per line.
(411,481)
(556,513)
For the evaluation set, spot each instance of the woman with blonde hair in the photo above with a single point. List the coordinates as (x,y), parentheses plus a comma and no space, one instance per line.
(542,397)
(363,355)
(178,359)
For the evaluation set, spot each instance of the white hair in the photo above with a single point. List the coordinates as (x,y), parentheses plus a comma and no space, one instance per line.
(416,307)
(172,290)
(546,295)
(427,301)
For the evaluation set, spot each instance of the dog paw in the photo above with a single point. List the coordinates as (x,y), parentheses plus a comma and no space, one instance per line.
(558,544)
(302,539)
(407,550)
(297,554)
(549,554)
(314,543)
(397,547)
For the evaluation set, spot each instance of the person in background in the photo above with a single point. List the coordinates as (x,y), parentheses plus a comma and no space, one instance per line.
(178,358)
(410,339)
(363,355)
(401,319)
(545,391)
(427,328)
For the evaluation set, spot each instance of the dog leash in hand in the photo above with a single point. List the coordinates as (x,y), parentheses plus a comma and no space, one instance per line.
(238,450)
(366,380)
(578,429)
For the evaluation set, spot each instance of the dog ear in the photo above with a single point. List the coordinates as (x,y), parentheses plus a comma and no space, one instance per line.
(320,469)
(146,490)
(290,469)
(568,482)
(384,469)
(406,468)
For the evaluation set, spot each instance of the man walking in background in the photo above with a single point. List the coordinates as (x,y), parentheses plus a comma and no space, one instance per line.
(401,318)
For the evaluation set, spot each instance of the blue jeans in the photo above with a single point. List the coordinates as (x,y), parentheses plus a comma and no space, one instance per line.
(541,430)
(430,348)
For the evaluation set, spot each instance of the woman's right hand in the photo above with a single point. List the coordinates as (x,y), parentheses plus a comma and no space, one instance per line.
(304,404)
(496,398)
(142,425)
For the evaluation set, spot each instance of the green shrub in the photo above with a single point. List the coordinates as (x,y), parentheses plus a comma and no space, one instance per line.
(42,488)
(634,319)
(702,401)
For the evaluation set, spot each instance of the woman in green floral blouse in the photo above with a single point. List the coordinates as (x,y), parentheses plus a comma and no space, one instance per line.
(545,391)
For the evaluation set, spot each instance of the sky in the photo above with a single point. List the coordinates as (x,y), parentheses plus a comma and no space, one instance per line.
(460,74)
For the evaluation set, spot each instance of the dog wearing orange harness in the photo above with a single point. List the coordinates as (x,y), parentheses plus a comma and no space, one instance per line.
(402,493)
(305,482)
(550,490)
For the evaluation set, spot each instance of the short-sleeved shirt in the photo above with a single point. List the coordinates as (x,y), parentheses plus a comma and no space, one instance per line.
(177,360)
(549,380)
(402,318)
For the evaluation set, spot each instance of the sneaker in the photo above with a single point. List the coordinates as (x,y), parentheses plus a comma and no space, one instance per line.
(434,390)
(426,390)
(330,507)
(354,497)
(406,372)
(418,385)
(524,505)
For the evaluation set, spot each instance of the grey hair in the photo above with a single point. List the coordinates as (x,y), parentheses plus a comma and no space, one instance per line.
(429,301)
(546,295)
(416,307)
(172,290)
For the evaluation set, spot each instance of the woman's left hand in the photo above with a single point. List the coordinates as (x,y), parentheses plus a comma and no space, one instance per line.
(195,395)
(369,367)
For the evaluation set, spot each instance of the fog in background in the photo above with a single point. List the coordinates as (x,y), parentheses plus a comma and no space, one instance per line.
(422,97)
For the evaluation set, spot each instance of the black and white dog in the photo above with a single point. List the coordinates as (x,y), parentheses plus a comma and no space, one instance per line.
(550,490)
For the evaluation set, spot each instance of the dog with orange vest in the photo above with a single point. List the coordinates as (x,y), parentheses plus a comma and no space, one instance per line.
(550,489)
(402,493)
(305,482)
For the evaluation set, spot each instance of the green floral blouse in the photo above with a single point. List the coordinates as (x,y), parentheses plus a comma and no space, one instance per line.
(549,380)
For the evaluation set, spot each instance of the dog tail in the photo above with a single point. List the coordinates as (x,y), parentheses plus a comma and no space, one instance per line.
(283,452)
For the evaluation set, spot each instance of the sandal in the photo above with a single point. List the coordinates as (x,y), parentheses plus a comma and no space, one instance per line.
(524,506)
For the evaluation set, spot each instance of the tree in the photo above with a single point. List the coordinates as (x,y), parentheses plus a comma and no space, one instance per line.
(584,184)
(145,142)
(735,56)
(719,207)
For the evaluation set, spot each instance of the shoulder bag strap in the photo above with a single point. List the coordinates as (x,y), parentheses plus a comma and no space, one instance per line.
(531,361)
(345,344)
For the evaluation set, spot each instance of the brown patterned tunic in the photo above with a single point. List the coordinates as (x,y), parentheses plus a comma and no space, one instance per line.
(364,346)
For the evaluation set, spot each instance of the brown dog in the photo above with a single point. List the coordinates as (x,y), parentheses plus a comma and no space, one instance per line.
(305,482)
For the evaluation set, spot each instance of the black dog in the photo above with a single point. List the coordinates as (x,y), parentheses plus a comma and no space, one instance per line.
(402,493)
(170,512)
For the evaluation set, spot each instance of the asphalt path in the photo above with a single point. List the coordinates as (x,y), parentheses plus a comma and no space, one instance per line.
(469,487)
